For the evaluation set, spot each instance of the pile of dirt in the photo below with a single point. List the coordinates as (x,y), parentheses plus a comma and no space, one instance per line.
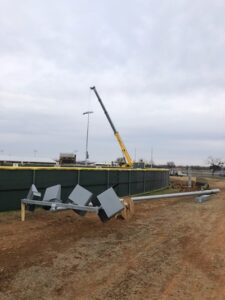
(181,184)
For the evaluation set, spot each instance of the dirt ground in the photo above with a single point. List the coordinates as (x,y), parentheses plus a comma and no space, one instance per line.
(170,249)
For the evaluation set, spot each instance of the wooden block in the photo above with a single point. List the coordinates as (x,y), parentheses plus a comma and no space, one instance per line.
(128,211)
(23,211)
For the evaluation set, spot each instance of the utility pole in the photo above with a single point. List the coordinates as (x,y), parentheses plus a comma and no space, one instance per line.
(86,150)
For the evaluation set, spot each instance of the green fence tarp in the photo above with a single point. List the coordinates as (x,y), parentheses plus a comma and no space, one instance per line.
(16,181)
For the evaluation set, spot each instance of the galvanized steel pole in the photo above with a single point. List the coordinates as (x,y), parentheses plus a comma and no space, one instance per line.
(86,150)
(198,193)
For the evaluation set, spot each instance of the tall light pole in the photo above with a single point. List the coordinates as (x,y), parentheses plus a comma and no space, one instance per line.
(86,150)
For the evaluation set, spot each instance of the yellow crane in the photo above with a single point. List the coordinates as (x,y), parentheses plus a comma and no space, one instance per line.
(129,161)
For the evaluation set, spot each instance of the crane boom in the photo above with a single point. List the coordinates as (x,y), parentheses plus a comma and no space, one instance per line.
(123,148)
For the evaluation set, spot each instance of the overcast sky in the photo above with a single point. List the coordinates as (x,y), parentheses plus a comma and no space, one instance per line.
(159,67)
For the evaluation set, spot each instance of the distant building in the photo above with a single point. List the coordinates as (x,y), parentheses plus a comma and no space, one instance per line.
(139,165)
(67,159)
(8,160)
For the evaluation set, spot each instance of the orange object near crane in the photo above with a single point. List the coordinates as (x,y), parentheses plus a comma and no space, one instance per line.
(129,161)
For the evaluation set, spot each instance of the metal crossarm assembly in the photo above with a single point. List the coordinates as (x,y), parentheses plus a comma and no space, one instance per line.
(106,205)
(60,206)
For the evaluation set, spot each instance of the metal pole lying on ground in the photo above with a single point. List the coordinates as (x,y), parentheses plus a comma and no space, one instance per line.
(198,193)
(106,205)
(201,196)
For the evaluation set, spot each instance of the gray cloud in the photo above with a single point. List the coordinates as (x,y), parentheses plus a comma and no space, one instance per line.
(159,67)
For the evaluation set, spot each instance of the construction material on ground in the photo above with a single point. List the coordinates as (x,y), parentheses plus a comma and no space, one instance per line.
(128,202)
(106,204)
(81,197)
(128,210)
(109,204)
(173,195)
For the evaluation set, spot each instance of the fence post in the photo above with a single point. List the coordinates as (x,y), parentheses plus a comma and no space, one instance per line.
(78,177)
(129,187)
(144,180)
(33,180)
(107,178)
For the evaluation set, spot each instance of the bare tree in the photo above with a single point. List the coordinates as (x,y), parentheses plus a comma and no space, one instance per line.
(215,164)
(171,164)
